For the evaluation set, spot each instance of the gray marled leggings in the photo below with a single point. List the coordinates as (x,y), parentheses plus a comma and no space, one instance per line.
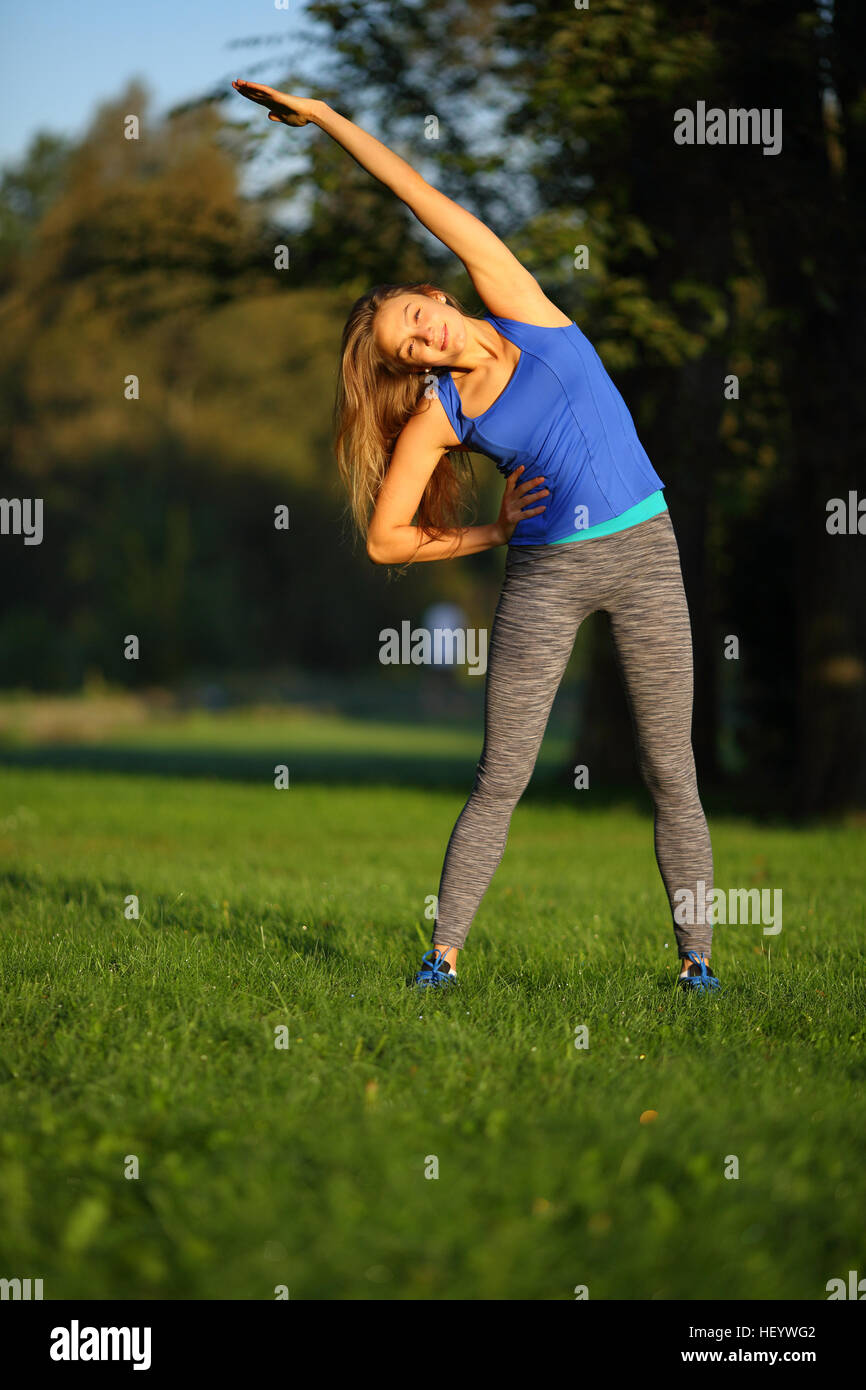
(634,576)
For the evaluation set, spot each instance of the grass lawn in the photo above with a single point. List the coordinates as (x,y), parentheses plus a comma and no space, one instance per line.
(304,1165)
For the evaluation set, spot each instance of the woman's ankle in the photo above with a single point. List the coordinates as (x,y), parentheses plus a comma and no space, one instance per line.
(686,961)
(450,954)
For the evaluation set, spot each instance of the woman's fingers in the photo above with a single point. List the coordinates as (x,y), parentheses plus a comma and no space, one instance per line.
(530,483)
(249,89)
(534,497)
(253,87)
(517,509)
(282,105)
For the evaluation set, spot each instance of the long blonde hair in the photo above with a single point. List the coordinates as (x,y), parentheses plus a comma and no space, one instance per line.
(375,398)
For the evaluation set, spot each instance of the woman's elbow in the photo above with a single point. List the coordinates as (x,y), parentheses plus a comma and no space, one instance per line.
(378,551)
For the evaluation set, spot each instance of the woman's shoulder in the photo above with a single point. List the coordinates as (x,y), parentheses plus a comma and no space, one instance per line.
(439,390)
(521,330)
(525,309)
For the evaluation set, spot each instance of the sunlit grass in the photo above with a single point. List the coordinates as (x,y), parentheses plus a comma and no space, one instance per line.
(305,1166)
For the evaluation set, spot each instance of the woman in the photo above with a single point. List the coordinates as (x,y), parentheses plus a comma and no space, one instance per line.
(583,515)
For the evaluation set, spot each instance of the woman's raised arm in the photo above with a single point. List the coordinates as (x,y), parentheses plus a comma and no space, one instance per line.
(507,288)
(503,284)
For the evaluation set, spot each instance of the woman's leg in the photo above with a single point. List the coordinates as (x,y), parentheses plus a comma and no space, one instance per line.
(544,599)
(650,624)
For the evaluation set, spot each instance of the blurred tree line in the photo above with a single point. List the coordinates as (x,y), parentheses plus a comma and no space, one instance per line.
(555,124)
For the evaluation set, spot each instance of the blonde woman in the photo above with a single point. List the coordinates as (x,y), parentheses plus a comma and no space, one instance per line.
(583,516)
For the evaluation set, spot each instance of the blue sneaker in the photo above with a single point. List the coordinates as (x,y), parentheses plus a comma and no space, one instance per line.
(435,971)
(699,979)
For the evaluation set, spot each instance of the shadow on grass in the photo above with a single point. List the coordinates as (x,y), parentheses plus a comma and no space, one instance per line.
(399,769)
(551,782)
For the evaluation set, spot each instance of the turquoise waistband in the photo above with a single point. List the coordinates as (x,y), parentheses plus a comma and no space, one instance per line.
(650,506)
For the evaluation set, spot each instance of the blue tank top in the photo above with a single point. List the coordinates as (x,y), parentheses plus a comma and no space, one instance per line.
(561,416)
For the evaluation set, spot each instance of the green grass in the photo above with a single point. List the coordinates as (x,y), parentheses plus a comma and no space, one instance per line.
(305,1166)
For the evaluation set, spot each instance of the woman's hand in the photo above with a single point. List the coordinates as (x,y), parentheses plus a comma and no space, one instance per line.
(514,501)
(281,107)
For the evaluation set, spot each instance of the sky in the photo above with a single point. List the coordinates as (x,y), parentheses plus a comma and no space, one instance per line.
(60,60)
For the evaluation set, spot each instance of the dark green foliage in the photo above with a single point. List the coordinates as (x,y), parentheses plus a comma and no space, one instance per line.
(144,258)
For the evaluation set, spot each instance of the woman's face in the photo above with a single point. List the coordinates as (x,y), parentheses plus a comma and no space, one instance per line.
(419,332)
